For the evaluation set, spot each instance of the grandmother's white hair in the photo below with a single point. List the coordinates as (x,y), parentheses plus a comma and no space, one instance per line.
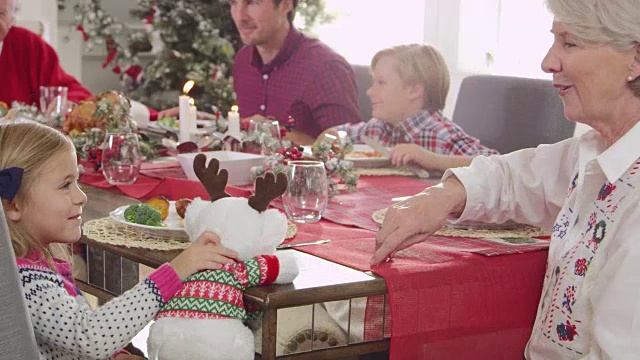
(599,22)
(612,22)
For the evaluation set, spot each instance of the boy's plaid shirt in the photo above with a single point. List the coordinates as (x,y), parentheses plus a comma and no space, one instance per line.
(432,131)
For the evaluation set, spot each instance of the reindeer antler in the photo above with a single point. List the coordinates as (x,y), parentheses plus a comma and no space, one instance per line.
(267,188)
(213,181)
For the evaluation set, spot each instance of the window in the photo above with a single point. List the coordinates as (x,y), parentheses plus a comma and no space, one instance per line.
(504,37)
(363,27)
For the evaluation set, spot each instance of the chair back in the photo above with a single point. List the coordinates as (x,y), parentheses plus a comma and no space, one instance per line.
(17,339)
(363,83)
(510,113)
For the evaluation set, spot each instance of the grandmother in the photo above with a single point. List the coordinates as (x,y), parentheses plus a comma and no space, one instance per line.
(584,190)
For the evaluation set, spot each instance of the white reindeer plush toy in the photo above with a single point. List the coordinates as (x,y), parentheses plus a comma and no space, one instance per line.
(205,319)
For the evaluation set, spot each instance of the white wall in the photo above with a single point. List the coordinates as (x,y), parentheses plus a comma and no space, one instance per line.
(46,11)
(441,29)
(42,10)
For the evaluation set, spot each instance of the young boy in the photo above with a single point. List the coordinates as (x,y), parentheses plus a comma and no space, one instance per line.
(410,86)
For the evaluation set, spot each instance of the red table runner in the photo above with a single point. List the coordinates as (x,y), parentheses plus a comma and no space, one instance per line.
(446,303)
(146,187)
(373,193)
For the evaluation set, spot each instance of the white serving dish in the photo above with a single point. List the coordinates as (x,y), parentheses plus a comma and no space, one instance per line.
(173,225)
(201,124)
(238,165)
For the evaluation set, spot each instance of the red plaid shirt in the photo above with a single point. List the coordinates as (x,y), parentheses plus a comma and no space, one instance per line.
(432,131)
(306,80)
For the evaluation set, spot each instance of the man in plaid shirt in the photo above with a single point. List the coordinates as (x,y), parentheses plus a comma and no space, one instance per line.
(408,94)
(282,72)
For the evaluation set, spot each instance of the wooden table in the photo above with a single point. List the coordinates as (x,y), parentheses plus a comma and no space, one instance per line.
(319,281)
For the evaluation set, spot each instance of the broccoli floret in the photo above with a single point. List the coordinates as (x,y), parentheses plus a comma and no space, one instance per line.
(143,214)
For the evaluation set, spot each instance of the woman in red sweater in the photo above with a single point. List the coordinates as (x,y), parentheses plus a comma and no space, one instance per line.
(28,62)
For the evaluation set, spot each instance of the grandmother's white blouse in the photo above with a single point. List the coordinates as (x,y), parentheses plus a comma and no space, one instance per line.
(587,195)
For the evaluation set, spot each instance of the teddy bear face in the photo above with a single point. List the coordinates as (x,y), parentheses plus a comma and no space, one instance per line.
(240,227)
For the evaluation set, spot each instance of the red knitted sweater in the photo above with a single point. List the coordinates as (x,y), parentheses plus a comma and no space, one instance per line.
(28,62)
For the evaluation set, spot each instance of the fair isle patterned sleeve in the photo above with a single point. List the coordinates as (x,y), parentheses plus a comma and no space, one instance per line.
(66,327)
(262,270)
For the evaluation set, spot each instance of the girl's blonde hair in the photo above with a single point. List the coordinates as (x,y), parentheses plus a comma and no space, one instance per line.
(29,145)
(601,22)
(421,64)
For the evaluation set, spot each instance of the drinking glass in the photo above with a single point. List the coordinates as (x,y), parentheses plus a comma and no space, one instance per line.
(53,103)
(263,135)
(307,193)
(121,158)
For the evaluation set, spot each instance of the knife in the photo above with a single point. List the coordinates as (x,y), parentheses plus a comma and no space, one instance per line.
(377,146)
(289,246)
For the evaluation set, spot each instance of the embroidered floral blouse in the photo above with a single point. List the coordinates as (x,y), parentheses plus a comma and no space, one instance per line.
(587,195)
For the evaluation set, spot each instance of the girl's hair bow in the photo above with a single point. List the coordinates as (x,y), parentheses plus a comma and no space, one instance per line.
(10,180)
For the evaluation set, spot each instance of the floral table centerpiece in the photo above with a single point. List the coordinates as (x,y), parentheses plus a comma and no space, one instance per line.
(328,150)
(87,124)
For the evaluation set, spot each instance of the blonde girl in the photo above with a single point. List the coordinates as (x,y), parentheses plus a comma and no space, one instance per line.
(43,205)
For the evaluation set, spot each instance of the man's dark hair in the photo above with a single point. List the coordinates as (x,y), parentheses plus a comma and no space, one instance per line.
(292,14)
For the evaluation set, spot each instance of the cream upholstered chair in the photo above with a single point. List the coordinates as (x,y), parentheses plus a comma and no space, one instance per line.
(17,340)
(511,113)
(363,83)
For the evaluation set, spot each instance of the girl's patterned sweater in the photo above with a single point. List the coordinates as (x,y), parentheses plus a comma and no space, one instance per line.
(66,327)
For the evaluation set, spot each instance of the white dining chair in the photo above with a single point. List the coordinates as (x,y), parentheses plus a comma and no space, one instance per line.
(17,340)
(511,113)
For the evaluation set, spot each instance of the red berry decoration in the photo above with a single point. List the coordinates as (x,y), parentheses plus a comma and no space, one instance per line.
(291,123)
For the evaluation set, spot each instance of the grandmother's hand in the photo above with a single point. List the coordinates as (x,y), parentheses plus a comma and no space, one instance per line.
(413,220)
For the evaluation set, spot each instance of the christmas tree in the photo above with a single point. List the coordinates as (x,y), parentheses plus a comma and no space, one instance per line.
(192,39)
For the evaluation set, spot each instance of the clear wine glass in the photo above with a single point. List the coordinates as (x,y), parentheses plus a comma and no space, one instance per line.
(53,104)
(121,158)
(263,135)
(307,193)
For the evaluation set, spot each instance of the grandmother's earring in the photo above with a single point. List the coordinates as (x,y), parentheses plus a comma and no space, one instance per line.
(629,78)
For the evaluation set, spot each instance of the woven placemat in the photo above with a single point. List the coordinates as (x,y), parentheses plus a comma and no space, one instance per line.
(383,172)
(108,231)
(517,232)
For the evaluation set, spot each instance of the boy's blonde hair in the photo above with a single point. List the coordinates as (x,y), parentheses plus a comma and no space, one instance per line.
(29,145)
(421,64)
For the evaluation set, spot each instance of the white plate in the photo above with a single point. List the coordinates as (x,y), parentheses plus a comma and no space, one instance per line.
(366,162)
(173,229)
(202,124)
(509,225)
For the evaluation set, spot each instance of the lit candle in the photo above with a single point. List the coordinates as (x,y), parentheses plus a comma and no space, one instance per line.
(233,118)
(193,115)
(184,112)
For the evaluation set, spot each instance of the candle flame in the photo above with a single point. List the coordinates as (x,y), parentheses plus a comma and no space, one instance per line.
(191,101)
(188,86)
(234,108)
